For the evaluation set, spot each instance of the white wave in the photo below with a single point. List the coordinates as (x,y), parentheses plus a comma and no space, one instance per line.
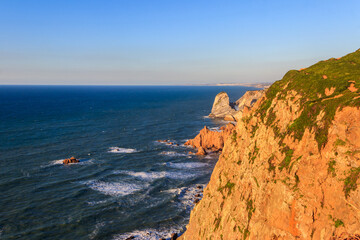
(151,176)
(187,195)
(121,150)
(94,233)
(113,188)
(56,162)
(173,154)
(187,165)
(92,203)
(149,234)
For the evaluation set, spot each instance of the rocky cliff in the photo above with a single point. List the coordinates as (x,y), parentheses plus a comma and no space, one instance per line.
(291,168)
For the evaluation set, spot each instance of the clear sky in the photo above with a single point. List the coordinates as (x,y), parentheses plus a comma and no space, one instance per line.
(170,41)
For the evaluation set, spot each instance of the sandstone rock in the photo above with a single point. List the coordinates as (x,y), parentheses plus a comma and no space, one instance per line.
(201,151)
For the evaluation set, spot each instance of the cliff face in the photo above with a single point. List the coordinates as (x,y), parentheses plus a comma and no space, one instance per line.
(291,167)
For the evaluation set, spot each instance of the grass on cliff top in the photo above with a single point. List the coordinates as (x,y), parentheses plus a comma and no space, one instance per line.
(311,85)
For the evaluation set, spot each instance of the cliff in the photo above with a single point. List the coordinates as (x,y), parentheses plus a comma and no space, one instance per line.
(291,167)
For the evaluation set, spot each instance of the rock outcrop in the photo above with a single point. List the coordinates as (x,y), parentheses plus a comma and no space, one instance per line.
(292,168)
(246,102)
(223,108)
(212,141)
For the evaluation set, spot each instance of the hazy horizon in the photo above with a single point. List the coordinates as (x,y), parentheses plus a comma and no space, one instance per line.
(169,43)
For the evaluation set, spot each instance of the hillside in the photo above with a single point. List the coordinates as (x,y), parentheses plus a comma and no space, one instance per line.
(291,168)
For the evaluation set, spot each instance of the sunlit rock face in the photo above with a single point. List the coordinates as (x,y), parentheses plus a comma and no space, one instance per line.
(291,166)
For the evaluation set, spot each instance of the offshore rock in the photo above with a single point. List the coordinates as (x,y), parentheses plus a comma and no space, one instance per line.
(70,160)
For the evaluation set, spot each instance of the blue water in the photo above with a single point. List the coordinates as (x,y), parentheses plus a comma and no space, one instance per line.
(126,183)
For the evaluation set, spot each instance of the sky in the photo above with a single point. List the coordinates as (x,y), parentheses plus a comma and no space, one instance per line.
(170,42)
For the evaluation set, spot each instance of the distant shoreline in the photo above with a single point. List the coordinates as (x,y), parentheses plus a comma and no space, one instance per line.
(256,85)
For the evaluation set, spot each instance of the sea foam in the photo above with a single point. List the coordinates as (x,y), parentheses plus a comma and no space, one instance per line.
(187,165)
(113,188)
(149,234)
(151,176)
(121,150)
(173,154)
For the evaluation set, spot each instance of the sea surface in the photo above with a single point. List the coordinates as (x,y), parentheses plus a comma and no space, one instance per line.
(126,184)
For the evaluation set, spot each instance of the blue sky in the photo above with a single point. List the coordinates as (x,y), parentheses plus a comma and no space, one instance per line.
(169,42)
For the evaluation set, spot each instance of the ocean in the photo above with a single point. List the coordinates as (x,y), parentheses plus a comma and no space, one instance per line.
(126,184)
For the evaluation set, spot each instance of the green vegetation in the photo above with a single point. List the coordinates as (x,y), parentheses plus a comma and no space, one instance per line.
(253,131)
(350,181)
(256,181)
(310,85)
(234,136)
(271,167)
(338,223)
(217,223)
(229,186)
(331,168)
(339,142)
(253,155)
(250,208)
(288,155)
